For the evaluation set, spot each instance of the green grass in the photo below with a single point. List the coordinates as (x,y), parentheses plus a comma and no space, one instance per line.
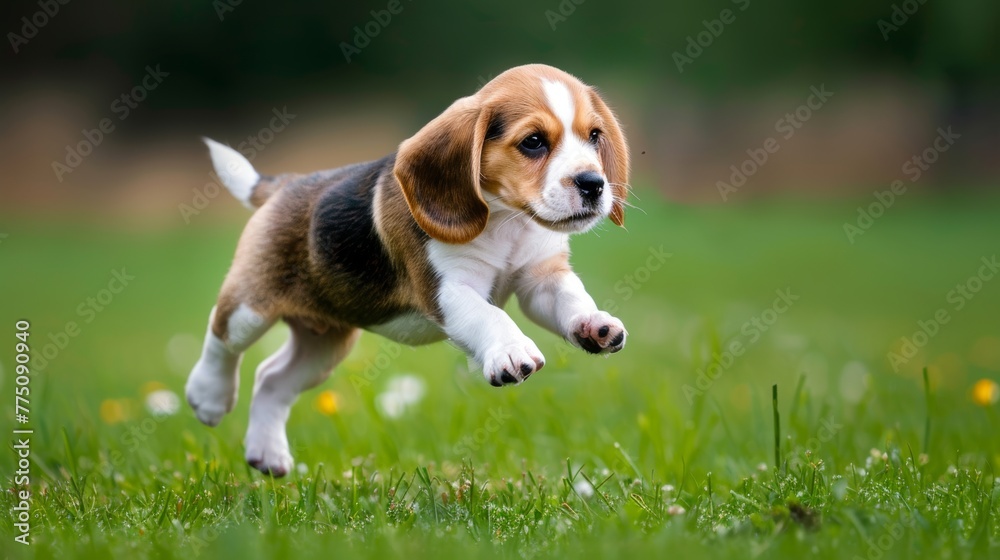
(871,463)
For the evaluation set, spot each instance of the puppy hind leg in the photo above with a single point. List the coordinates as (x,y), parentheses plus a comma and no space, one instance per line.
(212,387)
(305,361)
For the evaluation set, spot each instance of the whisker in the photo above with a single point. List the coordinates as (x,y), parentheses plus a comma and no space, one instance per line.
(630,205)
(525,224)
(628,188)
(510,218)
(507,219)
(625,202)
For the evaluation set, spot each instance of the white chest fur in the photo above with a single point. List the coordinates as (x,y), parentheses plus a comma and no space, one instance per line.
(488,264)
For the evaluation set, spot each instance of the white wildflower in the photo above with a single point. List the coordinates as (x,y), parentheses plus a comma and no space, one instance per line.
(163,402)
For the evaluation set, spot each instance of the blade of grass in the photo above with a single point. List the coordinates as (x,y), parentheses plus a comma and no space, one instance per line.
(777,428)
(927,421)
(797,398)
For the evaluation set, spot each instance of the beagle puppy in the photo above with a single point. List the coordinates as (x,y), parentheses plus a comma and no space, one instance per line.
(424,244)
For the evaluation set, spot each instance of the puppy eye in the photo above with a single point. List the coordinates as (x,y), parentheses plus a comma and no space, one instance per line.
(595,135)
(533,145)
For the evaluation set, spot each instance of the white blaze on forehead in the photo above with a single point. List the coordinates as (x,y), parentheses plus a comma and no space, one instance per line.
(561,102)
(572,156)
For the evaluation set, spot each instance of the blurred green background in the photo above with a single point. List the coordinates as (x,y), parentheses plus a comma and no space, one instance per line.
(699,90)
(696,84)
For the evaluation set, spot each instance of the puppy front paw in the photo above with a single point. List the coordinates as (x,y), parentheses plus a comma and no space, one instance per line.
(598,333)
(512,363)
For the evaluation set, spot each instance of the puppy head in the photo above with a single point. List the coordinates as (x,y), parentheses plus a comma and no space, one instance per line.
(536,139)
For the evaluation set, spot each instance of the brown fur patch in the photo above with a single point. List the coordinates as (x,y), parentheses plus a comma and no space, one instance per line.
(305,255)
(551,268)
(438,170)
(406,243)
(268,185)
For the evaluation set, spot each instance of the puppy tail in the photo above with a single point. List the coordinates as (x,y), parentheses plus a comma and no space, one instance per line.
(239,176)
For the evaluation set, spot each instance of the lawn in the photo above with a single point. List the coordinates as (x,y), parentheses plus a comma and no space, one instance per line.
(666,447)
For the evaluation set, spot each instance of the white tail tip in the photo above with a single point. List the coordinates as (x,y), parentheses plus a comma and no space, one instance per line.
(234,170)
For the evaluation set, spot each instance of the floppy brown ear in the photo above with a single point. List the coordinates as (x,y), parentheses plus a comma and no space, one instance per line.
(613,151)
(438,170)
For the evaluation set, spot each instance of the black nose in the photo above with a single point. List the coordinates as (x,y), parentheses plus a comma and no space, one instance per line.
(590,184)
